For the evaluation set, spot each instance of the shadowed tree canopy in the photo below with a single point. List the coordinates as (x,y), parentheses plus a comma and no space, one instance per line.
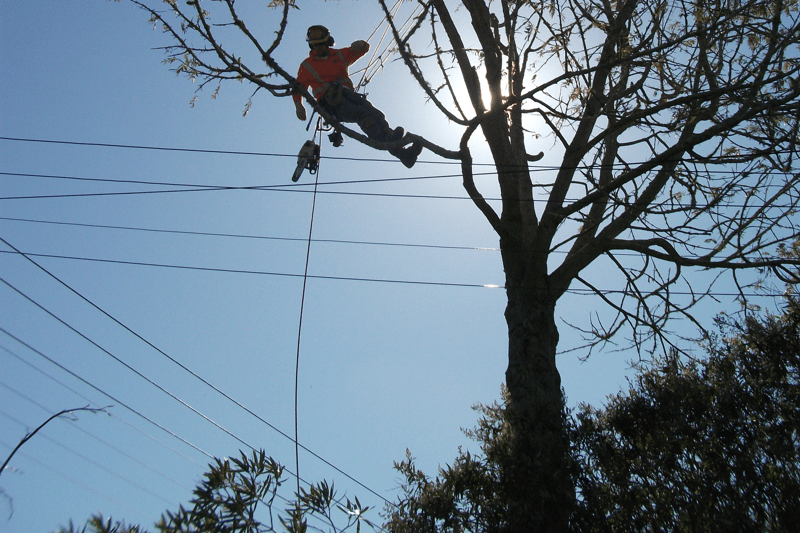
(701,445)
(674,125)
(709,444)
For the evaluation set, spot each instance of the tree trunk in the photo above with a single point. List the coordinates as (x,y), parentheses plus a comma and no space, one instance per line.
(540,492)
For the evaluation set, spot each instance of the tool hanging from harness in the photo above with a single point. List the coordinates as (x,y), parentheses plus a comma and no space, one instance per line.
(308,158)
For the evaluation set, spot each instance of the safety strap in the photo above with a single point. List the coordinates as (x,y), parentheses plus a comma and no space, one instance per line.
(319,91)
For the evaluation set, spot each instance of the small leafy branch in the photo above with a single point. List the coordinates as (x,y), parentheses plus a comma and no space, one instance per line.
(237,495)
(30,435)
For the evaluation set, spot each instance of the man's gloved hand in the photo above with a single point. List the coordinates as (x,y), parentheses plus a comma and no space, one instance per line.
(300,110)
(359,46)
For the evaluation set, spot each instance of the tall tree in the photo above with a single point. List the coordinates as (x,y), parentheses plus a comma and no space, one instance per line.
(676,123)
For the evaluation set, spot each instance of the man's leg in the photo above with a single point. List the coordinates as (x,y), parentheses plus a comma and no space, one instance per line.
(356,108)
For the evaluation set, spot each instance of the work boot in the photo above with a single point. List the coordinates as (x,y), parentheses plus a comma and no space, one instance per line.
(408,156)
(394,134)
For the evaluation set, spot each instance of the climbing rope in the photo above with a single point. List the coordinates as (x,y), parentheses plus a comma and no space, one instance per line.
(374,65)
(318,142)
(377,60)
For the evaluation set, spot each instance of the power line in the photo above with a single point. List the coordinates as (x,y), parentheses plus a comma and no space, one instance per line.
(126,365)
(207,151)
(110,414)
(576,291)
(246,236)
(283,187)
(183,367)
(258,272)
(302,188)
(246,187)
(291,189)
(625,165)
(104,393)
(95,194)
(148,380)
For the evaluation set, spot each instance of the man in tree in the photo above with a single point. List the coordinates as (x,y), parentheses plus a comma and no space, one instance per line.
(325,72)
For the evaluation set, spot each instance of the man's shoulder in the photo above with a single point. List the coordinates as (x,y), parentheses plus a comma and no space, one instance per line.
(336,54)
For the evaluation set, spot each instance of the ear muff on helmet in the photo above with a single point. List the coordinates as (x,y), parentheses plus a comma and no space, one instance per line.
(318,35)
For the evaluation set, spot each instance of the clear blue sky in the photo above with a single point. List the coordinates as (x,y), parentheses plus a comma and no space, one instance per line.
(384,366)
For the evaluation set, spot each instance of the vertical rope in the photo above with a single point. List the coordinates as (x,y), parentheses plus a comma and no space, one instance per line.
(302,305)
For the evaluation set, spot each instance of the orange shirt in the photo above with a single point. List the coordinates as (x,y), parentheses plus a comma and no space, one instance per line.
(328,69)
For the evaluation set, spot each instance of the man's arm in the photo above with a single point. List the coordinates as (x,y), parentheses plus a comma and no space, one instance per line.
(353,52)
(299,108)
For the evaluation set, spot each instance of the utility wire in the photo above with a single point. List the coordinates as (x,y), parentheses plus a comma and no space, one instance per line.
(126,365)
(576,291)
(104,393)
(299,187)
(285,239)
(186,369)
(110,414)
(84,431)
(148,380)
(172,395)
(257,272)
(626,164)
(289,189)
(208,151)
(244,236)
(247,187)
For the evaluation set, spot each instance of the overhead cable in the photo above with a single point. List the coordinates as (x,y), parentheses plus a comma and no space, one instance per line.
(104,393)
(292,187)
(126,365)
(258,272)
(576,291)
(359,159)
(183,367)
(110,414)
(245,236)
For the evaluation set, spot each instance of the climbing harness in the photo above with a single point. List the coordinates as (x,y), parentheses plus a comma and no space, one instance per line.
(323,88)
